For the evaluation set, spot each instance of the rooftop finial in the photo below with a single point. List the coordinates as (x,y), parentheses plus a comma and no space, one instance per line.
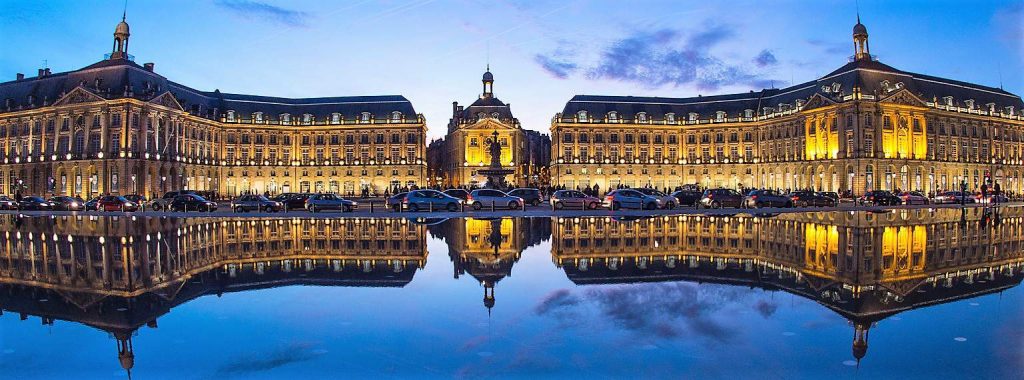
(124,13)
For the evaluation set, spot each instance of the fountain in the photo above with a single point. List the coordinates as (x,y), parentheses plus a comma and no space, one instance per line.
(495,173)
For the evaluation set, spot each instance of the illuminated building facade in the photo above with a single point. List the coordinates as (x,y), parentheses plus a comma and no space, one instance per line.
(864,267)
(456,159)
(121,128)
(864,126)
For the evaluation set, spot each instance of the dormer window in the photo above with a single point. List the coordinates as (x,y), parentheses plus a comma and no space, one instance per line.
(969,103)
(495,115)
(231,116)
(257,117)
(693,117)
(481,115)
(1009,110)
(720,116)
(613,117)
(286,118)
(307,119)
(991,107)
(335,118)
(748,113)
(582,116)
(768,110)
(783,107)
(641,117)
(799,103)
(365,117)
(670,117)
(396,117)
(948,100)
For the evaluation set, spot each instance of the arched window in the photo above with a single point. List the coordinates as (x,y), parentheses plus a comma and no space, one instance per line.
(693,117)
(396,117)
(257,117)
(335,118)
(365,117)
(231,116)
(720,116)
(613,116)
(286,118)
(582,116)
(670,117)
(641,117)
(307,119)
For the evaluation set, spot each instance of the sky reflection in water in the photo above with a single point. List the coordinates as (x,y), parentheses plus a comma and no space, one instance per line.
(773,297)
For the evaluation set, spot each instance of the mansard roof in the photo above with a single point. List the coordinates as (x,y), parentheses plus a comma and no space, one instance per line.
(488,105)
(122,78)
(872,77)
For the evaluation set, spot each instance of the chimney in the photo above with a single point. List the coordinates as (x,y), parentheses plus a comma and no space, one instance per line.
(20,76)
(46,71)
(42,73)
(148,66)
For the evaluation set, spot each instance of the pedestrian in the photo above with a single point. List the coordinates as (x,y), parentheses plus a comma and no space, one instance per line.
(996,190)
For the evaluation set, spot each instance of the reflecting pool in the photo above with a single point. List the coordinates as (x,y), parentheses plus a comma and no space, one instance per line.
(912,294)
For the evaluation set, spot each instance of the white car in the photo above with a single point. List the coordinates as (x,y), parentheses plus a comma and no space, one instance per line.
(481,198)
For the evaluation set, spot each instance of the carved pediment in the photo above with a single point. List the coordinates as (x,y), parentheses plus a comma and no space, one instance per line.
(78,95)
(167,100)
(489,124)
(903,97)
(816,101)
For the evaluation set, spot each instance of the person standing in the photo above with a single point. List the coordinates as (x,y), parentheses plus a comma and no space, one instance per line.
(996,191)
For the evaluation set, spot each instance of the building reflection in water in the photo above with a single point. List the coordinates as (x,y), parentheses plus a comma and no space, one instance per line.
(865,267)
(487,248)
(117,274)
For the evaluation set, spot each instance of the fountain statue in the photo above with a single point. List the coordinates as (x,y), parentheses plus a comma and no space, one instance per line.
(495,173)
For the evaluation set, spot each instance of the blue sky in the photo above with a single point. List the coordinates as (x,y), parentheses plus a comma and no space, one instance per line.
(541,52)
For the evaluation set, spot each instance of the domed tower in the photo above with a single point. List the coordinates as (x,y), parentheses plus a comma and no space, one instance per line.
(488,83)
(125,352)
(488,296)
(860,340)
(860,41)
(121,35)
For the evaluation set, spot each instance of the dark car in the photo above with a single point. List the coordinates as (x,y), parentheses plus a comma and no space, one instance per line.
(255,203)
(395,201)
(8,203)
(191,202)
(295,201)
(687,197)
(34,203)
(457,193)
(116,203)
(136,198)
(880,198)
(163,203)
(66,203)
(810,198)
(718,198)
(766,198)
(92,204)
(530,196)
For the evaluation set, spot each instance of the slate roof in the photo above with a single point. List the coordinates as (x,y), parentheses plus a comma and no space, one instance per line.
(121,78)
(867,74)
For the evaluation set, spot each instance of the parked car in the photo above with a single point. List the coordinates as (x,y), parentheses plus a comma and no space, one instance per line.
(880,198)
(458,193)
(664,201)
(766,198)
(191,202)
(954,197)
(92,204)
(992,198)
(163,203)
(255,203)
(530,196)
(687,197)
(830,194)
(136,198)
(8,203)
(293,201)
(718,198)
(394,202)
(34,204)
(913,198)
(810,198)
(485,197)
(328,201)
(66,203)
(629,198)
(426,199)
(573,199)
(116,203)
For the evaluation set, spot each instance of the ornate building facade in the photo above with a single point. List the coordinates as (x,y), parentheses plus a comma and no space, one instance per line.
(456,159)
(121,128)
(862,127)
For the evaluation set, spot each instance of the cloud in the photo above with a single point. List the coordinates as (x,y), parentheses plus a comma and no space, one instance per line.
(294,353)
(249,8)
(556,300)
(663,57)
(830,47)
(765,58)
(557,68)
(765,308)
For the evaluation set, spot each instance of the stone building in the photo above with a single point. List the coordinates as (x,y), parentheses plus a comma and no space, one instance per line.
(864,126)
(121,128)
(457,158)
